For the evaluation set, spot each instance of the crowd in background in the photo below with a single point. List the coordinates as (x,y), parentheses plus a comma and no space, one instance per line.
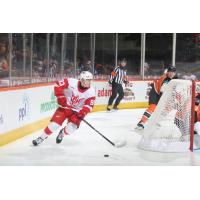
(103,63)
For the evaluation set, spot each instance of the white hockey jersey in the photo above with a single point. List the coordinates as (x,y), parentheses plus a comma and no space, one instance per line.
(76,98)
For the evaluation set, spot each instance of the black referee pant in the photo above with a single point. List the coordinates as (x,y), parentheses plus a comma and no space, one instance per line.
(116,89)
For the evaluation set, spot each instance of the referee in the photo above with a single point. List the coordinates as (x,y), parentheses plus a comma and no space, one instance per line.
(117,77)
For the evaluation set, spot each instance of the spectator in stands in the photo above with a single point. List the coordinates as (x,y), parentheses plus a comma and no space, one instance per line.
(99,68)
(190,76)
(52,69)
(4,65)
(88,66)
(4,68)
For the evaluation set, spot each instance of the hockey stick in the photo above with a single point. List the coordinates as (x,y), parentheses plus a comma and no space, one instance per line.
(117,144)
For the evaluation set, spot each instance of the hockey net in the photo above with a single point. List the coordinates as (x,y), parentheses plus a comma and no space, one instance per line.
(170,128)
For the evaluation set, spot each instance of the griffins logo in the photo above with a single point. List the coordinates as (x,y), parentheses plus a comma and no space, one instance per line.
(24,110)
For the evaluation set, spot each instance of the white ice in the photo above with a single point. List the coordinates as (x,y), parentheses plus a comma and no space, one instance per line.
(86,147)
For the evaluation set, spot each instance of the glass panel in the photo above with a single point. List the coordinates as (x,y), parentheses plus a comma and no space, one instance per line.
(4,60)
(69,68)
(21,59)
(55,54)
(188,55)
(104,53)
(129,47)
(84,60)
(27,56)
(17,60)
(158,53)
(39,56)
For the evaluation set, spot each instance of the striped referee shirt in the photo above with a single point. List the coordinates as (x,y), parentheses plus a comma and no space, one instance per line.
(118,75)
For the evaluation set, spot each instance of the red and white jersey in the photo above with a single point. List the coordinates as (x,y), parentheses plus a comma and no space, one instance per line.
(76,98)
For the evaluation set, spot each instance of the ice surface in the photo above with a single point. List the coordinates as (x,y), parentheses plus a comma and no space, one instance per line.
(86,147)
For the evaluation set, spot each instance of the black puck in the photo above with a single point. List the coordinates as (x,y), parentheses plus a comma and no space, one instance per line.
(106,155)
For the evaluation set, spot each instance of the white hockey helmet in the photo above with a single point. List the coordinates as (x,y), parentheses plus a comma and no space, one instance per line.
(86,78)
(86,75)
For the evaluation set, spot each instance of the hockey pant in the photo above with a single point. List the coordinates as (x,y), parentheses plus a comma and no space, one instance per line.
(57,120)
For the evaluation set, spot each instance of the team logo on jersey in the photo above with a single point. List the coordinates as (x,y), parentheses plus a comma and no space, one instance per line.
(24,110)
(75,100)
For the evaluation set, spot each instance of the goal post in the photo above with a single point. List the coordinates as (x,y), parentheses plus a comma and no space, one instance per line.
(192,115)
(171,126)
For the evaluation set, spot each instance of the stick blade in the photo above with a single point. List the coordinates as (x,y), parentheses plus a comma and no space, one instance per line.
(119,144)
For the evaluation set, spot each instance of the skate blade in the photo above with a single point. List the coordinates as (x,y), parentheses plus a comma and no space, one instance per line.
(119,144)
(138,131)
(110,111)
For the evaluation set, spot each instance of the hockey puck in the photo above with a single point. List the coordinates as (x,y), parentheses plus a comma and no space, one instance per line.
(106,155)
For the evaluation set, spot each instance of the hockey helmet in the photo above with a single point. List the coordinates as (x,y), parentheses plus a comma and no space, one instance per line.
(171,69)
(86,78)
(86,75)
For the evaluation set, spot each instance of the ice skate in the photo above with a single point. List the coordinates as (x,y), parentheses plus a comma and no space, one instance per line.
(115,108)
(139,127)
(108,108)
(60,136)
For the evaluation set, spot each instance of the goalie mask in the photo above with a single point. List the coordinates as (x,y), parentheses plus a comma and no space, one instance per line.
(86,77)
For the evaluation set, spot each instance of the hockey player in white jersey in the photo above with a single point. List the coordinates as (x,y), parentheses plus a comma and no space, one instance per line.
(76,99)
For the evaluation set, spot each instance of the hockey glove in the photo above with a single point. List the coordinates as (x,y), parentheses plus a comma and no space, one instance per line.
(75,120)
(77,117)
(82,113)
(61,101)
